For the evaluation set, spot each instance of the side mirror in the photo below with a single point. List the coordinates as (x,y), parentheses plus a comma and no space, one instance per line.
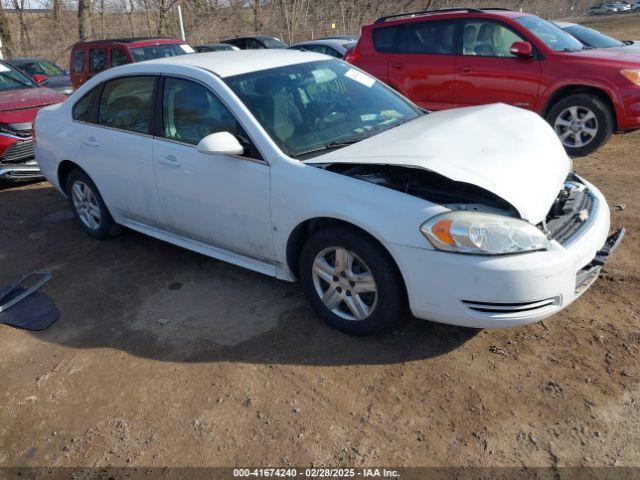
(221,143)
(522,49)
(40,79)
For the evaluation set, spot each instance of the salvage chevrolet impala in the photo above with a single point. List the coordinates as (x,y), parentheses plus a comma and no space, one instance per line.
(304,168)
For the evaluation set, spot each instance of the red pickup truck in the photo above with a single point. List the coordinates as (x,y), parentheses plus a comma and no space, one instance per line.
(459,57)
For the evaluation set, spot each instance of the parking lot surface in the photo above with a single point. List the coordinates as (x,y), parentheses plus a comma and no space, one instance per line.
(165,357)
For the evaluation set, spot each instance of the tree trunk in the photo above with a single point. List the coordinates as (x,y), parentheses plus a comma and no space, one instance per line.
(257,22)
(84,19)
(5,33)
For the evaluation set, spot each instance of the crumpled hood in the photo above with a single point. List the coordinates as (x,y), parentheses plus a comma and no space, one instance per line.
(508,151)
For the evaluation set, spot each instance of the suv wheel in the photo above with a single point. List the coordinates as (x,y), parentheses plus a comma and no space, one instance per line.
(351,282)
(583,123)
(89,208)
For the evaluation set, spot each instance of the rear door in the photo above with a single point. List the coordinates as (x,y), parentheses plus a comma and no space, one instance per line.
(487,71)
(423,67)
(118,148)
(97,61)
(78,67)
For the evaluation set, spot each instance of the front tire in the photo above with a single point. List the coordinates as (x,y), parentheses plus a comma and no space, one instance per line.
(89,208)
(351,281)
(583,123)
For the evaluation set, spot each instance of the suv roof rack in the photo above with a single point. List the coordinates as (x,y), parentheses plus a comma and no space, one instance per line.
(427,12)
(441,10)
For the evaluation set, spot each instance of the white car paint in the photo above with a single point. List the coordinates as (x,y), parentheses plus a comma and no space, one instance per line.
(244,211)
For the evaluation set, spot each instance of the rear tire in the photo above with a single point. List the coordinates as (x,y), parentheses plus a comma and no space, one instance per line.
(583,123)
(89,208)
(351,281)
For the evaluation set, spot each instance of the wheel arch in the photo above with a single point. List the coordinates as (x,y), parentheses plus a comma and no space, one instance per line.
(307,228)
(64,169)
(573,89)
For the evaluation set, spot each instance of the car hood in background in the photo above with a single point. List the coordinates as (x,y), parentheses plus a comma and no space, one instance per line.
(59,82)
(508,151)
(25,98)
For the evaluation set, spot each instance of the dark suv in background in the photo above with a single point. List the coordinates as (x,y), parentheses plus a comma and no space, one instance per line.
(256,42)
(460,57)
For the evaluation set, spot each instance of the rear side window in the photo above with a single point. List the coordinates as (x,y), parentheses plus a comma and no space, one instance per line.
(118,57)
(126,103)
(82,110)
(435,38)
(78,61)
(97,59)
(386,39)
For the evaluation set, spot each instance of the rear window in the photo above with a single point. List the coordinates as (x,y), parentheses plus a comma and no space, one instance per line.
(78,61)
(82,108)
(125,103)
(386,39)
(151,52)
(434,38)
(97,59)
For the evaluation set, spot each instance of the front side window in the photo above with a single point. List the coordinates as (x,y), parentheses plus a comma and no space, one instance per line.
(434,37)
(253,44)
(551,35)
(126,103)
(97,59)
(487,38)
(82,109)
(141,54)
(313,107)
(119,57)
(387,39)
(78,61)
(191,111)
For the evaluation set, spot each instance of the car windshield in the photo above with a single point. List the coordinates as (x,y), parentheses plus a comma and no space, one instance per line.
(311,108)
(551,35)
(12,79)
(40,67)
(141,54)
(593,38)
(271,42)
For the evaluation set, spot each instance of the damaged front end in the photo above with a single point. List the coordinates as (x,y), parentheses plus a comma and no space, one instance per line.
(427,185)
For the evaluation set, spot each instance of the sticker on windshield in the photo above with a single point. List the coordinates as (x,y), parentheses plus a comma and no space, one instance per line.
(187,48)
(360,77)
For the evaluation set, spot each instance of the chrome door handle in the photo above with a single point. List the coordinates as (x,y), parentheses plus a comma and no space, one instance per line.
(171,161)
(91,142)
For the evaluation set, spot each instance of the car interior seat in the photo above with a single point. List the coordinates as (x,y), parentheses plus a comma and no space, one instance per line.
(486,40)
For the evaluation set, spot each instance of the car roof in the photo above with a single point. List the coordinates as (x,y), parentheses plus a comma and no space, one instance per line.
(448,12)
(238,62)
(134,42)
(331,42)
(28,59)
(565,24)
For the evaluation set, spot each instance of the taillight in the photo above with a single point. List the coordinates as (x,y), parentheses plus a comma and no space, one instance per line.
(352,55)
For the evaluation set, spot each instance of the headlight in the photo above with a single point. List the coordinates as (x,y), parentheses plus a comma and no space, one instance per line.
(482,234)
(633,75)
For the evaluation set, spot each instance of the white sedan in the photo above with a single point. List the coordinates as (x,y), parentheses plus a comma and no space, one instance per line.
(305,168)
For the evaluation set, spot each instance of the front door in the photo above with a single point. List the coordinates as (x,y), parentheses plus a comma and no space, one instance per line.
(218,200)
(487,71)
(424,67)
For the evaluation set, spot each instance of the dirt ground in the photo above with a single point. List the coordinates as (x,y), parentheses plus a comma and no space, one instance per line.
(166,357)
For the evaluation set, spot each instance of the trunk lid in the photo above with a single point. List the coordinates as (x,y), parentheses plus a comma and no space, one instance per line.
(512,153)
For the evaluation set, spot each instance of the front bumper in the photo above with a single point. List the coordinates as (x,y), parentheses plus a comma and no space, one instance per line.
(19,172)
(503,291)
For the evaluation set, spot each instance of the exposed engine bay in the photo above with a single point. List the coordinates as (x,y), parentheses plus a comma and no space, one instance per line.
(427,185)
(570,211)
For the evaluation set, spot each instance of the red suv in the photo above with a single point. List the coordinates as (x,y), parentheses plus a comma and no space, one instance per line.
(459,57)
(90,58)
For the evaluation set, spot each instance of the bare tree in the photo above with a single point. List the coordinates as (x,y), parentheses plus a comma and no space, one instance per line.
(5,32)
(84,19)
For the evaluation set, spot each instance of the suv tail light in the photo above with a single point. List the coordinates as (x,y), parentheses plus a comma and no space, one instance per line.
(352,55)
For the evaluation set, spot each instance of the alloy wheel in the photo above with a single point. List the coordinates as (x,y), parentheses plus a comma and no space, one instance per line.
(576,126)
(86,204)
(345,283)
